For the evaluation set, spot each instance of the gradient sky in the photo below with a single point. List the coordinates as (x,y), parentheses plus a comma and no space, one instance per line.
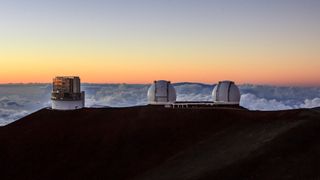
(137,41)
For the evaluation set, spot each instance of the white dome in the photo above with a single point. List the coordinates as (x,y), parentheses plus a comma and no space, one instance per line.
(226,92)
(161,92)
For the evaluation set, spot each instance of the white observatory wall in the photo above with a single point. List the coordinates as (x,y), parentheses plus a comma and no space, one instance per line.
(234,95)
(222,92)
(226,92)
(214,93)
(162,89)
(67,105)
(172,94)
(151,93)
(161,92)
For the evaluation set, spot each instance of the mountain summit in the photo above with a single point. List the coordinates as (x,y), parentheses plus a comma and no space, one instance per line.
(156,143)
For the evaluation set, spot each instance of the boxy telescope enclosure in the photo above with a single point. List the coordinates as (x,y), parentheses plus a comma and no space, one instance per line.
(66,93)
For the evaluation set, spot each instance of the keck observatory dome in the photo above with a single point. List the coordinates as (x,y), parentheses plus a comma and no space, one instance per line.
(161,92)
(226,92)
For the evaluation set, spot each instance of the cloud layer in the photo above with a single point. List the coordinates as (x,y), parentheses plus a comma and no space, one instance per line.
(19,100)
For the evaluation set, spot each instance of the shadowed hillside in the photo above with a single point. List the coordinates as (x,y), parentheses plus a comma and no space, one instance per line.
(157,143)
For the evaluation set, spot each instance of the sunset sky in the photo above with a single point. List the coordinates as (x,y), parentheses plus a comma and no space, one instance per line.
(274,42)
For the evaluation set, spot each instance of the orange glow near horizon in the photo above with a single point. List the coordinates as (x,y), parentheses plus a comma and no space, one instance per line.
(136,67)
(143,71)
(128,66)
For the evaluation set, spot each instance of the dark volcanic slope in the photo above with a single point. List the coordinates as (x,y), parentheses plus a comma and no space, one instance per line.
(160,144)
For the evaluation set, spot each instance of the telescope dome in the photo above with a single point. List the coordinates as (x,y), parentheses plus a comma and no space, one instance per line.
(226,92)
(161,92)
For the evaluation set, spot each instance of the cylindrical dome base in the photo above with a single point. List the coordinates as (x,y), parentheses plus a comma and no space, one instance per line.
(67,105)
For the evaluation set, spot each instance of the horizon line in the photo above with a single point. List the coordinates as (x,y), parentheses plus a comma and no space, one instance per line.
(179,82)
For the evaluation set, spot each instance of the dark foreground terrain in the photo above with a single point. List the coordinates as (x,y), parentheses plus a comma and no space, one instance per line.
(155,143)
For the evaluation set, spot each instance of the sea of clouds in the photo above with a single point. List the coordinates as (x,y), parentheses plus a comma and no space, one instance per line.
(19,100)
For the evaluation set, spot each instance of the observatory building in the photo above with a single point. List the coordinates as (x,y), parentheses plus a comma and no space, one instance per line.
(161,92)
(226,93)
(66,93)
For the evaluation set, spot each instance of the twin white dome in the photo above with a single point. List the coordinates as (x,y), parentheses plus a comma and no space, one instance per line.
(163,92)
(226,92)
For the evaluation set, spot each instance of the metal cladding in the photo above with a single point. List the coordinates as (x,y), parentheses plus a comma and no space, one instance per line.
(226,92)
(161,92)
(66,93)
